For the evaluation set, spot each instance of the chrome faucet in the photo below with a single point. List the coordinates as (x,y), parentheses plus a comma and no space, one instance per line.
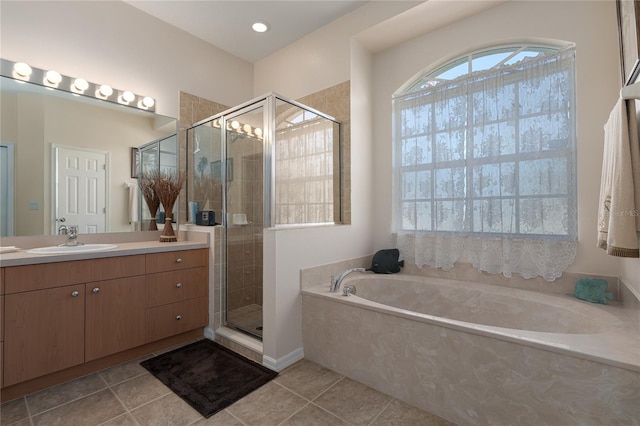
(335,282)
(62,230)
(72,237)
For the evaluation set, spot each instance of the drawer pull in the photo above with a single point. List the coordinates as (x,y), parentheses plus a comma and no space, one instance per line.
(96,290)
(179,260)
(74,294)
(178,317)
(179,285)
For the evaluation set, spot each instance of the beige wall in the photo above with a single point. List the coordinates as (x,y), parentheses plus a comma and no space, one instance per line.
(590,25)
(114,43)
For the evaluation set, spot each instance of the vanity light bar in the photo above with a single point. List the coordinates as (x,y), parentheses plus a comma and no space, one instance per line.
(54,80)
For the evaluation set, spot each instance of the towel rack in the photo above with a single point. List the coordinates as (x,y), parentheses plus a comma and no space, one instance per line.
(631,91)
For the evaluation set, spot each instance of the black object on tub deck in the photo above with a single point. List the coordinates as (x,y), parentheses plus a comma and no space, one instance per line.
(386,262)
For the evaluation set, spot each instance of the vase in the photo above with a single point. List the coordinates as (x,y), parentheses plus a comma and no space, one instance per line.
(168,235)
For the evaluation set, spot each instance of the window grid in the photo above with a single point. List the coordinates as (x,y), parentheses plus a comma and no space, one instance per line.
(472,163)
(304,165)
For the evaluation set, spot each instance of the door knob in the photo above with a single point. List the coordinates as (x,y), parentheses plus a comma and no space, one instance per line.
(179,285)
(74,294)
(178,317)
(179,260)
(96,290)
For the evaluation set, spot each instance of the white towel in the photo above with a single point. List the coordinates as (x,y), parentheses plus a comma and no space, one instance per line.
(619,204)
(133,201)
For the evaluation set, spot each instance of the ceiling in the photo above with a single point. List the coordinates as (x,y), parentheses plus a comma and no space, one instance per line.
(227,24)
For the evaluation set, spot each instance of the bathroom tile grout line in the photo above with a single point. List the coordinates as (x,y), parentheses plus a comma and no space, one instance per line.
(381,411)
(126,409)
(312,401)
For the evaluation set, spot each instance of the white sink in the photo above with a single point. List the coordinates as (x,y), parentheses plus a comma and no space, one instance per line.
(85,248)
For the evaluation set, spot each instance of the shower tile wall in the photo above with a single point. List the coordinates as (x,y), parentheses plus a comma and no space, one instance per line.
(245,242)
(192,110)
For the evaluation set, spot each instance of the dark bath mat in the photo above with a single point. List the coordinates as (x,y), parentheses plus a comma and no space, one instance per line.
(208,376)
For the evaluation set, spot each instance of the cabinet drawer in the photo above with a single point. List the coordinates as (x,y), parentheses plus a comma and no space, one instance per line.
(174,260)
(176,286)
(168,320)
(49,275)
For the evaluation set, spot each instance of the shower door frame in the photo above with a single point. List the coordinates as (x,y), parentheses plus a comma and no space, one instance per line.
(268,102)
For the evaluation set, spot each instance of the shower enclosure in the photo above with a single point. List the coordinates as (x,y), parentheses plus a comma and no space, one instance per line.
(270,162)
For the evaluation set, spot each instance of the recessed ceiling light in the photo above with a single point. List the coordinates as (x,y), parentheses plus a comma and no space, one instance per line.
(260,27)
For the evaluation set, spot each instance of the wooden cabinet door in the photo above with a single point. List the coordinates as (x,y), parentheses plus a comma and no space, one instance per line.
(115,318)
(44,332)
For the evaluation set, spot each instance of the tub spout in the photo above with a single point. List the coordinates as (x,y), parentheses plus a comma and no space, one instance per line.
(335,282)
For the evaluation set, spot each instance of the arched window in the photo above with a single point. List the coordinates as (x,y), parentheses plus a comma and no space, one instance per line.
(485,162)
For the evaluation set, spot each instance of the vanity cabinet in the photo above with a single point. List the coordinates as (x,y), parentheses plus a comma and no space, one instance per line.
(115,316)
(44,332)
(65,314)
(176,292)
(1,321)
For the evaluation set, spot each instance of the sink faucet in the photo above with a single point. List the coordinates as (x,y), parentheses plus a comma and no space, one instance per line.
(72,237)
(335,282)
(62,229)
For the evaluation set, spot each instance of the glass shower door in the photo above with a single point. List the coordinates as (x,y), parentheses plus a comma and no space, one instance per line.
(244,205)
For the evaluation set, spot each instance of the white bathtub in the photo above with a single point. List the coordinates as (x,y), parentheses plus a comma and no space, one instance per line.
(480,354)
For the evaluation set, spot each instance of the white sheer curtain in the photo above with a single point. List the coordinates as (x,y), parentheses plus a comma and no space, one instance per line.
(485,165)
(304,181)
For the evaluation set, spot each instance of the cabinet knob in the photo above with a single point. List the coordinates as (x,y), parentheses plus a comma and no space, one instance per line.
(74,294)
(96,290)
(179,260)
(179,285)
(178,317)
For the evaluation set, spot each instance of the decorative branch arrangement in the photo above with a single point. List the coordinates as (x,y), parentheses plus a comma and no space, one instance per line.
(167,186)
(153,202)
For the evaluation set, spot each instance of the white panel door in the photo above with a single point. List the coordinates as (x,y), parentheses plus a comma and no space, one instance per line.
(81,187)
(6,189)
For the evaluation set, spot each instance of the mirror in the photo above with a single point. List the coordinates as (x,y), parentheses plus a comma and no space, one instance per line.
(45,131)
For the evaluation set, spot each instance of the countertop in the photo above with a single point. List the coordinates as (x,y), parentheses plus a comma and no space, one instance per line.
(22,257)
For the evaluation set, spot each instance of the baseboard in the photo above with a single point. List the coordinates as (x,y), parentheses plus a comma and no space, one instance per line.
(209,333)
(284,362)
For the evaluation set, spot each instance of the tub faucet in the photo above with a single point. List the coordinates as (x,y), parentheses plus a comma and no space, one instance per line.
(335,282)
(72,237)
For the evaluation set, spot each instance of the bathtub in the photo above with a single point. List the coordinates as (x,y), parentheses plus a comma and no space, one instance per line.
(479,354)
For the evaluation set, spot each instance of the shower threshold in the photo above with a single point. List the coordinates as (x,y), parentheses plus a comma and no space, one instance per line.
(247,319)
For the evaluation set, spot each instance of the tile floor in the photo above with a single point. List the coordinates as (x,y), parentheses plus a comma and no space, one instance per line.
(305,394)
(247,318)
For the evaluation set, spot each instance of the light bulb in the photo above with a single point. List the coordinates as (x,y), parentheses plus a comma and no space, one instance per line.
(21,71)
(257,131)
(128,96)
(106,90)
(53,78)
(79,85)
(148,102)
(235,124)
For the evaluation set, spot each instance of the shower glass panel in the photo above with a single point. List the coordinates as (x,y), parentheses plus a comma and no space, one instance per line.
(160,154)
(244,206)
(307,166)
(270,162)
